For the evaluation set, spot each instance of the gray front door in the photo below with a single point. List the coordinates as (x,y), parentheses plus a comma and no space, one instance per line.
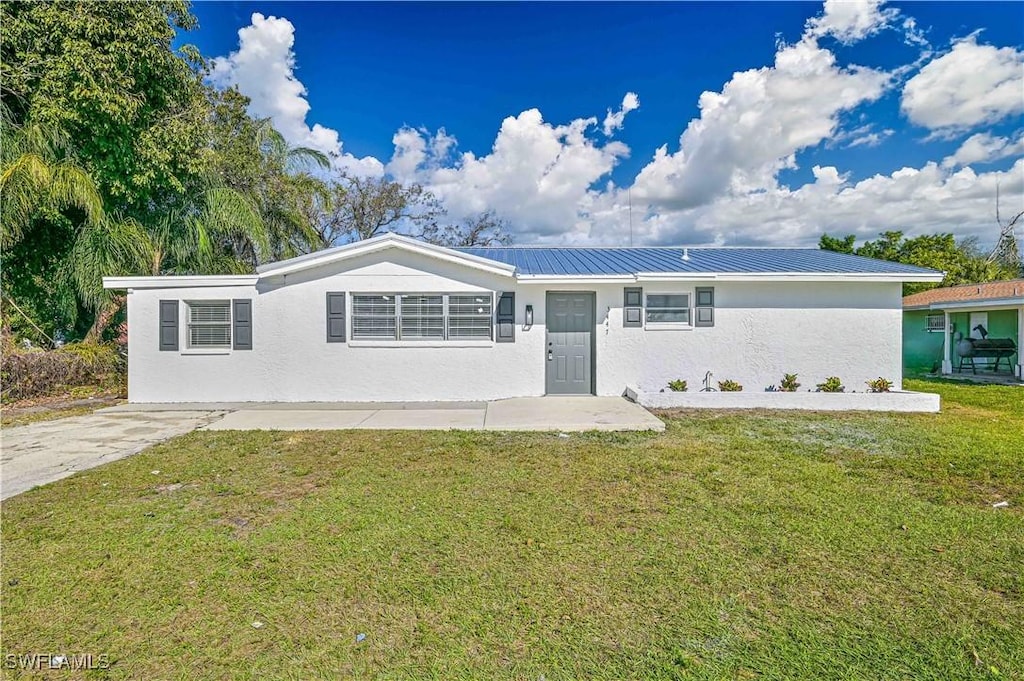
(570,338)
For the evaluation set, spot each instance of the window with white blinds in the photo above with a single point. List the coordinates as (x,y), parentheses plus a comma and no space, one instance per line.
(469,317)
(422,316)
(209,323)
(374,316)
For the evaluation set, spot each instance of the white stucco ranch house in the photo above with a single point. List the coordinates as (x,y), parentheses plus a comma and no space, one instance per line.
(395,319)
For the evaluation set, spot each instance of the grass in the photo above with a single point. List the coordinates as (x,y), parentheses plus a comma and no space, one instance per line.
(735,545)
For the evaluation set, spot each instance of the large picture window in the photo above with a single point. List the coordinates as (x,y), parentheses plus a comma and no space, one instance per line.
(422,316)
(668,308)
(209,323)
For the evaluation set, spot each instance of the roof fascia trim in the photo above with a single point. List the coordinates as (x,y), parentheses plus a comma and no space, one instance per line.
(183,281)
(384,242)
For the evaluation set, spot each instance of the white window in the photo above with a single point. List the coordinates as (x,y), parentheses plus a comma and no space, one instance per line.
(668,308)
(374,316)
(469,317)
(422,316)
(936,322)
(209,323)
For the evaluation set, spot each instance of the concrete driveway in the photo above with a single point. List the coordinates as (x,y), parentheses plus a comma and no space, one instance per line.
(46,451)
(43,452)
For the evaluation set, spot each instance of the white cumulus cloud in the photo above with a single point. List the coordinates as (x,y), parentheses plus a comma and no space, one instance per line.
(753,128)
(538,175)
(263,69)
(984,148)
(849,21)
(970,85)
(614,120)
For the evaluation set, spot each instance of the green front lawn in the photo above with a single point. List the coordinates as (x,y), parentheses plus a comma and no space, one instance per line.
(736,545)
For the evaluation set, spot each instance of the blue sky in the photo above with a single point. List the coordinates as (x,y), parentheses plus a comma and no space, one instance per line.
(368,71)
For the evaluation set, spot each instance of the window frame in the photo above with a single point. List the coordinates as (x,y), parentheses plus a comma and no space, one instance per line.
(931,328)
(445,338)
(188,346)
(663,325)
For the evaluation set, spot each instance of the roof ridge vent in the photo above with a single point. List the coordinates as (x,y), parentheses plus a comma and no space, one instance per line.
(686,253)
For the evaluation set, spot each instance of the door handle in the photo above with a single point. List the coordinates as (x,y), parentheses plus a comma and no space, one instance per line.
(551,356)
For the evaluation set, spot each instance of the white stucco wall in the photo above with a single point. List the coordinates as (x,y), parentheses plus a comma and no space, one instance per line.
(762,330)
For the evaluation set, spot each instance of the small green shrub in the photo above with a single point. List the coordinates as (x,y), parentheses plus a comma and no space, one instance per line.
(788,383)
(34,372)
(832,384)
(879,385)
(677,386)
(729,386)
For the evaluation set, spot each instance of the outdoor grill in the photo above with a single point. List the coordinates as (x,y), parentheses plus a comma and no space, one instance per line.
(987,348)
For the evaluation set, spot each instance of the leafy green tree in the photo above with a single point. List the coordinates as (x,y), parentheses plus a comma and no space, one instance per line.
(105,73)
(962,262)
(37,172)
(199,239)
(252,158)
(839,245)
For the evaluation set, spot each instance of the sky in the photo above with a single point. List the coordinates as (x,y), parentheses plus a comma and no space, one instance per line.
(653,123)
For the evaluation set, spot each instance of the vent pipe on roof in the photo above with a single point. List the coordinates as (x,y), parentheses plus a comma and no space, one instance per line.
(686,253)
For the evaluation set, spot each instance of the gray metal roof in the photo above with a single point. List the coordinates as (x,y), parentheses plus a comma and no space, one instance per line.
(604,261)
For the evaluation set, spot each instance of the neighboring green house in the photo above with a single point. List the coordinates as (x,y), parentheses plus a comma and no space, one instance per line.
(936,322)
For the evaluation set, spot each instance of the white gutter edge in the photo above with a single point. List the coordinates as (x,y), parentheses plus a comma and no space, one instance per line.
(186,281)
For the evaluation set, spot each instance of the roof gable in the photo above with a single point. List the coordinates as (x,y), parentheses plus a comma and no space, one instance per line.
(377,244)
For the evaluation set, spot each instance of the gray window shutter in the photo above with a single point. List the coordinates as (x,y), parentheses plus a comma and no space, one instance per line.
(336,317)
(168,324)
(506,318)
(705,306)
(241,320)
(632,306)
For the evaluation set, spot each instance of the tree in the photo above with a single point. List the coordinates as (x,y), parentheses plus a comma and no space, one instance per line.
(485,229)
(37,171)
(203,239)
(839,245)
(112,127)
(961,262)
(364,207)
(252,158)
(45,196)
(105,73)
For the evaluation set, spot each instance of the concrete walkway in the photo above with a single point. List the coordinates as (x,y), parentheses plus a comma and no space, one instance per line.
(568,413)
(43,452)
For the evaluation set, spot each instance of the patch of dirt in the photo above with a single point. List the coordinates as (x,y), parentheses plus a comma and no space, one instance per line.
(173,487)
